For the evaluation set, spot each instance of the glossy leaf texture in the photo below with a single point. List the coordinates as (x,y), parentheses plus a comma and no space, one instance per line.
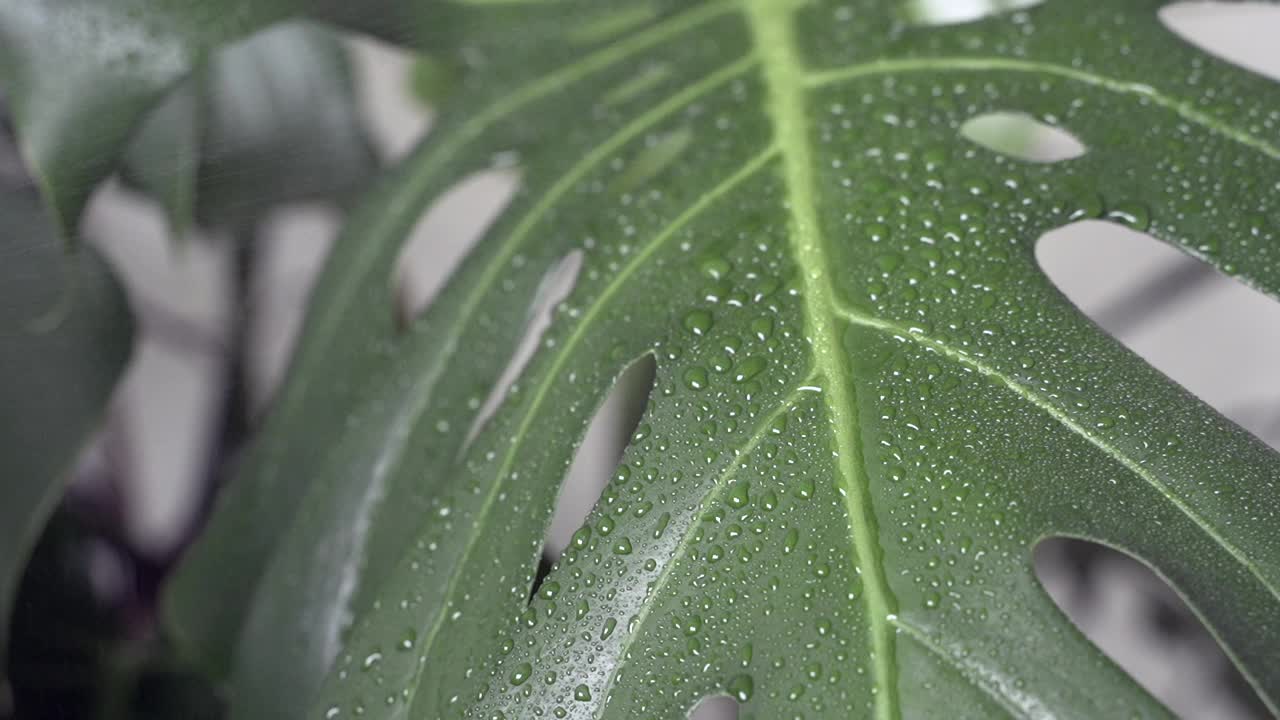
(65,336)
(82,76)
(870,403)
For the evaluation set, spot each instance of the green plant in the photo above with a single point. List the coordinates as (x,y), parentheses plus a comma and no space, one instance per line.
(870,402)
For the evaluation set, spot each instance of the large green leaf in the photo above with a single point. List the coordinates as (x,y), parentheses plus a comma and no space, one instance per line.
(870,401)
(65,334)
(83,75)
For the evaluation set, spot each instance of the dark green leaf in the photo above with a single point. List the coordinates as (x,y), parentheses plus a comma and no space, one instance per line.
(277,122)
(83,75)
(65,335)
(870,401)
(164,160)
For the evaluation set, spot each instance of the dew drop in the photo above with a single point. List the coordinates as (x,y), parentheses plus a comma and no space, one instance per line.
(749,368)
(762,328)
(741,687)
(698,322)
(521,674)
(695,378)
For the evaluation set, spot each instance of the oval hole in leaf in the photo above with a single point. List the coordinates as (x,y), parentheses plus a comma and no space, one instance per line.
(716,707)
(1023,137)
(1141,623)
(447,231)
(1210,333)
(292,244)
(950,12)
(600,452)
(556,285)
(1242,33)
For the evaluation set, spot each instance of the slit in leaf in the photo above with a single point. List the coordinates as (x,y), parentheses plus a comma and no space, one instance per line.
(444,235)
(951,12)
(556,285)
(1241,33)
(1207,331)
(601,451)
(1135,618)
(1021,136)
(715,707)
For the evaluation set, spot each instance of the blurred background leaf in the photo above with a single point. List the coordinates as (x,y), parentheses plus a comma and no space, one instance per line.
(271,120)
(65,335)
(69,65)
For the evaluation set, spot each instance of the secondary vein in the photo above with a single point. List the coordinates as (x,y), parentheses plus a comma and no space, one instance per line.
(772,25)
(566,351)
(1052,410)
(1123,87)
(712,497)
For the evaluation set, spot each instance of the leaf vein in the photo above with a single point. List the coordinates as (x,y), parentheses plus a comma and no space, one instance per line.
(1045,404)
(953,64)
(564,352)
(722,481)
(772,25)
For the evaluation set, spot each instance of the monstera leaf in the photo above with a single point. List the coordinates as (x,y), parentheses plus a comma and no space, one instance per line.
(65,335)
(870,402)
(84,75)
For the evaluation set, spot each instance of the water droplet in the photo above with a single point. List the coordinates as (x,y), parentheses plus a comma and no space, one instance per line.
(741,687)
(521,674)
(789,542)
(695,378)
(698,322)
(749,368)
(582,693)
(407,640)
(762,328)
(889,262)
(715,268)
(1135,215)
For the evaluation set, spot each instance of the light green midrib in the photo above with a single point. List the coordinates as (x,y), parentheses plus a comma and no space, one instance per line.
(1052,410)
(562,356)
(772,26)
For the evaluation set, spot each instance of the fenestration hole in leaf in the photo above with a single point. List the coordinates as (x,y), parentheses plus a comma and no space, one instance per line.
(1210,333)
(1242,33)
(599,454)
(1023,137)
(951,12)
(445,233)
(716,707)
(1141,623)
(556,285)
